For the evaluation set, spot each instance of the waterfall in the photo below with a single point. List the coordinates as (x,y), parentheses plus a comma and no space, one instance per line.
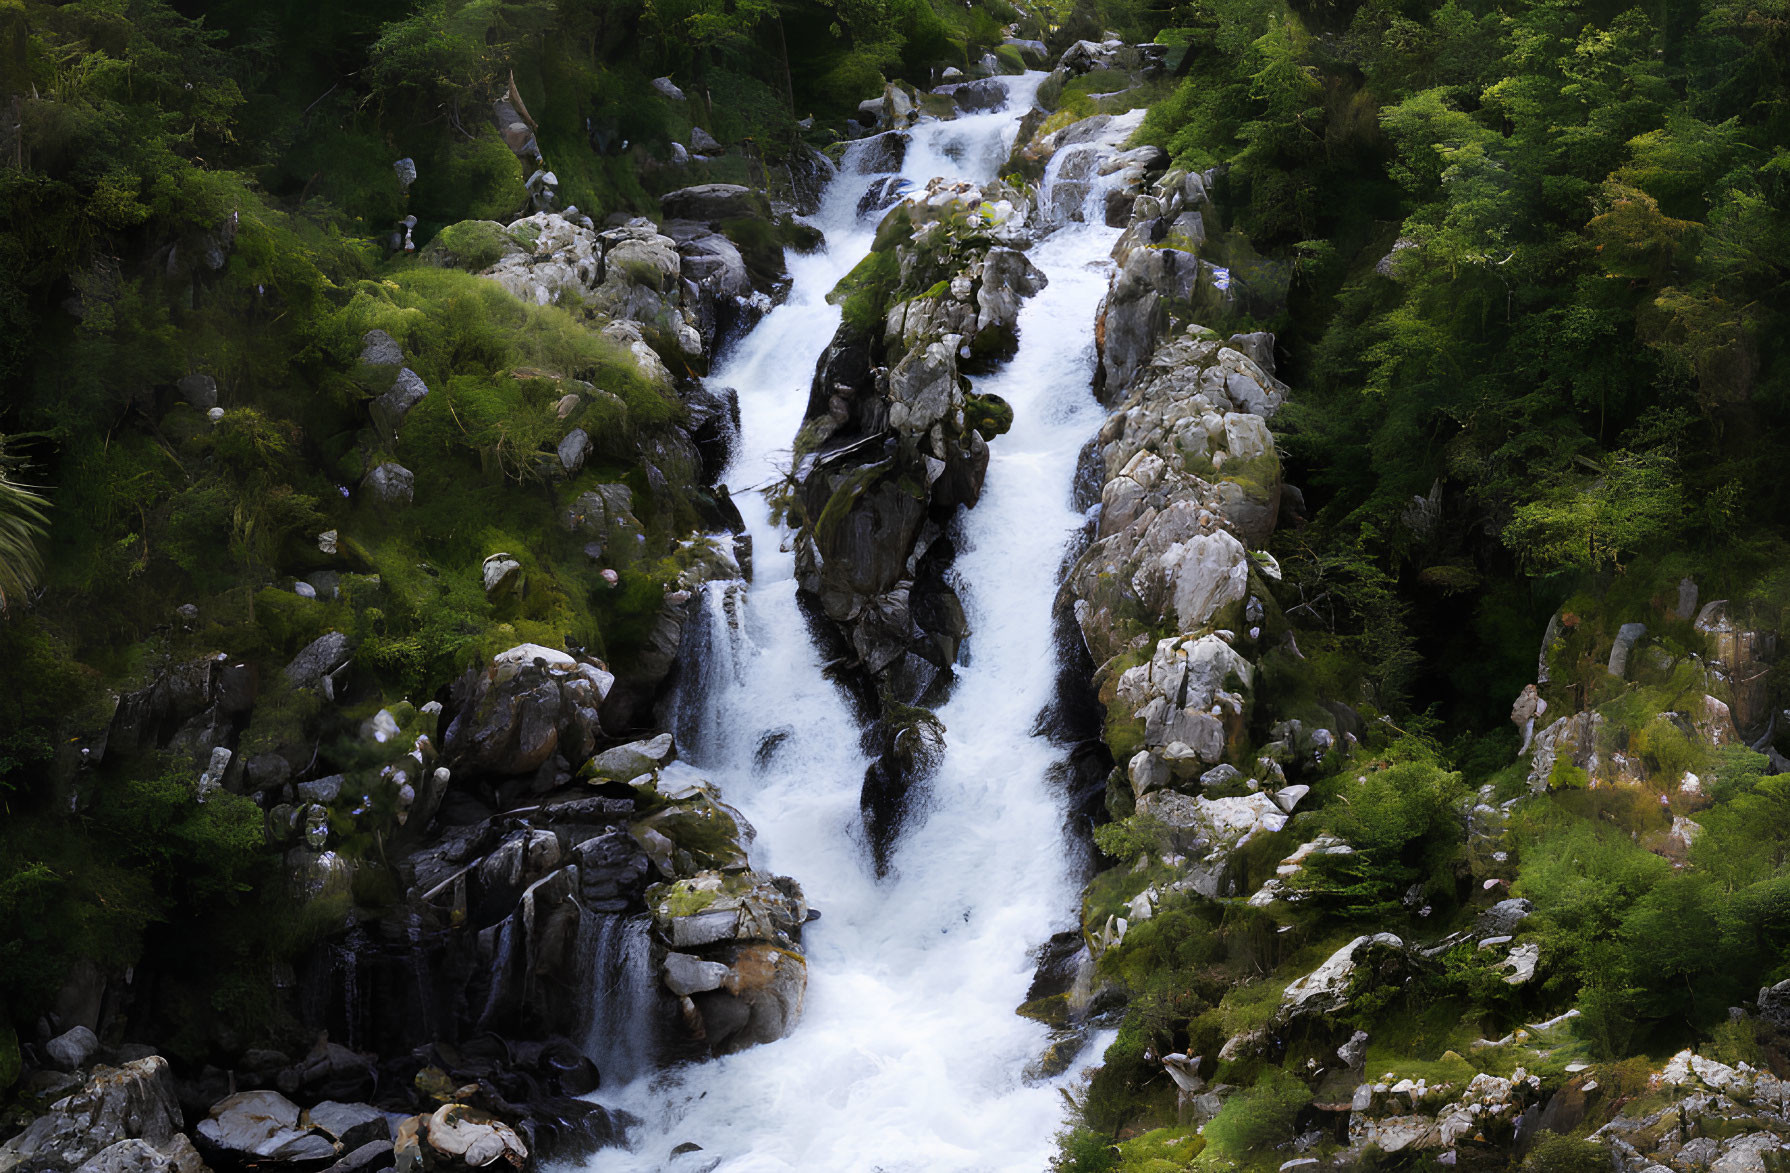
(615,955)
(909,1056)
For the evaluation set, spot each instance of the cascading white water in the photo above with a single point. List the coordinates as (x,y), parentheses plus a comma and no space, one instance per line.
(615,951)
(909,1056)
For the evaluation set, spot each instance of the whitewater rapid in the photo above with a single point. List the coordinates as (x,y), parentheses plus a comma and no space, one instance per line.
(909,1056)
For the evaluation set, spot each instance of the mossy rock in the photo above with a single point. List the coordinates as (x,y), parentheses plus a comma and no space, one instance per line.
(476,245)
(1052,1010)
(989,415)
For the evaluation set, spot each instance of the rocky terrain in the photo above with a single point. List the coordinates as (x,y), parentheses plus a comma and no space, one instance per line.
(355,648)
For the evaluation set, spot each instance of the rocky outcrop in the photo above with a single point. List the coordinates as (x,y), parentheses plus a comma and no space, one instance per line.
(894,443)
(1173,594)
(532,708)
(1190,481)
(111,1119)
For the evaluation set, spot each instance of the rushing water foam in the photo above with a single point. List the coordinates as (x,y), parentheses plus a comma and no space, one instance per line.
(909,1056)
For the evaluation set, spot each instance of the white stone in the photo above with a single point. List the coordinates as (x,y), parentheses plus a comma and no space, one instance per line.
(1332,977)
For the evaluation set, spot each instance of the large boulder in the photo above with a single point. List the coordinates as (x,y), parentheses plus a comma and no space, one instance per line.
(547,259)
(1210,831)
(133,1102)
(256,1126)
(528,705)
(713,203)
(1325,989)
(735,961)
(1181,696)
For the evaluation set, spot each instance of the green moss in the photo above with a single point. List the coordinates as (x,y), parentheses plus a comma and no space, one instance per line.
(862,295)
(684,899)
(1052,1010)
(988,415)
(1259,1117)
(475,245)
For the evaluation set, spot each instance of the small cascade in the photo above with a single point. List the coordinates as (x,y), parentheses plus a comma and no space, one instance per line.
(709,664)
(1073,189)
(615,955)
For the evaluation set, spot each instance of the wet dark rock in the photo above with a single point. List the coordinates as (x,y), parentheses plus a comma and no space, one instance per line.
(713,203)
(350,1125)
(372,1157)
(529,703)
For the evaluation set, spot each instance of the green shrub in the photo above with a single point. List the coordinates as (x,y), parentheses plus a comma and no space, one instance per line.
(1403,825)
(1259,1117)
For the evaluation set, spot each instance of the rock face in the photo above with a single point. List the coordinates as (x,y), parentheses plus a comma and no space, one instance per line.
(532,706)
(1189,481)
(1171,596)
(1721,1118)
(893,444)
(713,203)
(135,1102)
(1162,283)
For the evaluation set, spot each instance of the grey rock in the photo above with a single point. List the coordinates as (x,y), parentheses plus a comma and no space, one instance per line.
(405,170)
(199,390)
(320,657)
(72,1048)
(321,790)
(1259,346)
(979,97)
(716,265)
(1220,775)
(624,762)
(1354,1052)
(267,771)
(262,1125)
(573,449)
(1626,637)
(389,409)
(352,1125)
(371,1157)
(686,975)
(703,143)
(133,1102)
(380,349)
(390,484)
(667,89)
(530,702)
(1687,598)
(1502,918)
(130,1156)
(1749,1154)
(712,203)
(1387,265)
(212,779)
(502,575)
(1774,1004)
(304,590)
